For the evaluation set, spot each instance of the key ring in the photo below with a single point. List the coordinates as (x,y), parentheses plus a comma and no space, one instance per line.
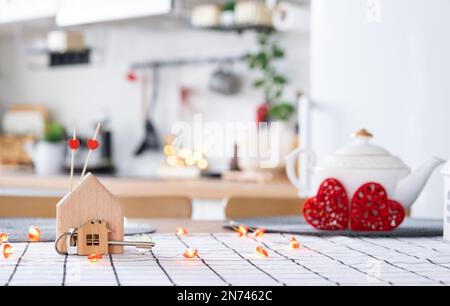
(68,236)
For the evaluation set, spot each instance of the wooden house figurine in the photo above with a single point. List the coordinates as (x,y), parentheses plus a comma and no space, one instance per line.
(91,201)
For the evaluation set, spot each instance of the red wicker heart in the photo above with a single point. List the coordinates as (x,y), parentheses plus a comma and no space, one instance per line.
(74,144)
(329,210)
(93,144)
(372,210)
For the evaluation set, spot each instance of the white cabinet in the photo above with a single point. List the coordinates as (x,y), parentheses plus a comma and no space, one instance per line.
(23,10)
(76,12)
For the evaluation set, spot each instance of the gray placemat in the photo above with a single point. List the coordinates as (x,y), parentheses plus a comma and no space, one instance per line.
(17,229)
(297,225)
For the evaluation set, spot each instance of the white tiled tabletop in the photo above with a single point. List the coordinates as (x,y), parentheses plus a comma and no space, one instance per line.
(226,259)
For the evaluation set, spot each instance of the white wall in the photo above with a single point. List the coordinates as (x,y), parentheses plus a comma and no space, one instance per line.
(388,72)
(81,95)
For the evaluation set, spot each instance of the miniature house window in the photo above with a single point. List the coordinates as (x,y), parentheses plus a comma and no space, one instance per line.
(92,239)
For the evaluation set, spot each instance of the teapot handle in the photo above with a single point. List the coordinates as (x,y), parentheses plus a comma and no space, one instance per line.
(302,182)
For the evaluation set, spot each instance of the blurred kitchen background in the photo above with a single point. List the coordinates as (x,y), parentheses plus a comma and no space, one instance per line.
(139,68)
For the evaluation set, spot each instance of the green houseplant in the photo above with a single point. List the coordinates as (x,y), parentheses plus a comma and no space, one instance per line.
(227,15)
(274,139)
(270,80)
(54,132)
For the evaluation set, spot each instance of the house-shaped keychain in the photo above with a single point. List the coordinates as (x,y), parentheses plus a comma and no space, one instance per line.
(91,238)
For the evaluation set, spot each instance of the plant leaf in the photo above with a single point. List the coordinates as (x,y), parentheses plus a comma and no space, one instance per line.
(277,52)
(281,111)
(280,80)
(259,83)
(54,132)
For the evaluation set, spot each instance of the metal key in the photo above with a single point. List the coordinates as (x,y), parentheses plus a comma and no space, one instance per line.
(141,246)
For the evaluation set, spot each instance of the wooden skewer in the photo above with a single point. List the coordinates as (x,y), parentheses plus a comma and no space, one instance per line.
(72,162)
(97,131)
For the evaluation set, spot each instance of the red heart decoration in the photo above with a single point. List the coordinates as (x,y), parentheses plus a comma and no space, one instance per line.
(93,144)
(373,211)
(329,210)
(131,76)
(74,144)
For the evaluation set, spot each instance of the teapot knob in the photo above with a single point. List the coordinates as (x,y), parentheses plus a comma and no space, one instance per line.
(363,133)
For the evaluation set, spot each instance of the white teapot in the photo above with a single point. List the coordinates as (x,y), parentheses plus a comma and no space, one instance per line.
(362,162)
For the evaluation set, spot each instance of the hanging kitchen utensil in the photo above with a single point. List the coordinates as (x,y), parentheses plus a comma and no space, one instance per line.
(225,81)
(151,140)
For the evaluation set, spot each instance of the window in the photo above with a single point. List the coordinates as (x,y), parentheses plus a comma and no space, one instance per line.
(92,240)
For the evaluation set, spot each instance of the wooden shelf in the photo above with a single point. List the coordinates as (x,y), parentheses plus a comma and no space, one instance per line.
(239,29)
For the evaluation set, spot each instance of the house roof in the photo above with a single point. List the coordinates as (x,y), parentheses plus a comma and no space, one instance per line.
(90,200)
(91,185)
(96,224)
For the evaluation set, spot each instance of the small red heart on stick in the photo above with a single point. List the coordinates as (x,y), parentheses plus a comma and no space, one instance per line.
(74,144)
(329,210)
(93,144)
(132,76)
(373,211)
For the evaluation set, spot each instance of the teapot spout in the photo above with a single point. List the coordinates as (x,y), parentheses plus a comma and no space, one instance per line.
(409,189)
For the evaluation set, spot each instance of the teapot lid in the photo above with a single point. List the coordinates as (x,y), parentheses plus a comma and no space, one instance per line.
(361,154)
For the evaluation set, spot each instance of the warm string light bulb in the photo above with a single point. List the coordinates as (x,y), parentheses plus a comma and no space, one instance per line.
(34,234)
(262,251)
(181,231)
(8,250)
(190,161)
(172,160)
(190,253)
(198,156)
(203,164)
(168,150)
(185,157)
(3,238)
(185,153)
(259,233)
(294,244)
(242,230)
(95,258)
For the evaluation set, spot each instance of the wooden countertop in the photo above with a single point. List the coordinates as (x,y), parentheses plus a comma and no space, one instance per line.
(214,189)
